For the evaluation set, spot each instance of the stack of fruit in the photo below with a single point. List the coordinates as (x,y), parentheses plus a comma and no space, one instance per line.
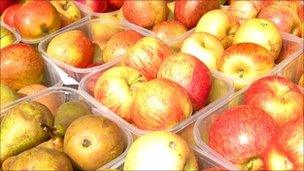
(36,19)
(72,137)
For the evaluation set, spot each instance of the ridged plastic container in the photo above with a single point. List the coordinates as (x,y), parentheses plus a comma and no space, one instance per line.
(79,73)
(222,88)
(16,35)
(292,47)
(85,16)
(51,79)
(292,71)
(67,94)
(97,14)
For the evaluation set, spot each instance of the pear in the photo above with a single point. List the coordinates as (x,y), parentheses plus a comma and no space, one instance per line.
(67,113)
(38,158)
(92,141)
(7,95)
(23,127)
(56,143)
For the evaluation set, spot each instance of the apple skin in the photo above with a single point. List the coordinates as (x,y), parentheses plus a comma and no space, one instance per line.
(295,5)
(283,17)
(190,73)
(205,47)
(169,30)
(7,37)
(9,14)
(115,87)
(115,4)
(73,48)
(219,23)
(95,6)
(67,10)
(241,134)
(160,104)
(301,81)
(278,97)
(35,19)
(262,32)
(245,62)
(286,150)
(173,153)
(5,4)
(190,12)
(244,10)
(155,12)
(119,43)
(147,55)
(21,65)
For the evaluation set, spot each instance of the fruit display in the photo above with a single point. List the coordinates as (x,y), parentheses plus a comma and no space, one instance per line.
(76,137)
(34,20)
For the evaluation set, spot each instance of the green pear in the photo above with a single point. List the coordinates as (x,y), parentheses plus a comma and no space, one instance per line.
(38,158)
(23,127)
(67,113)
(7,95)
(56,143)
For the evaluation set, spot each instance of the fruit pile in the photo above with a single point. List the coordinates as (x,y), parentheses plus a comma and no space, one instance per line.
(152,68)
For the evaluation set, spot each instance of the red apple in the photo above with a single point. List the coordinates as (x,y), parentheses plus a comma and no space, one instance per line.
(295,5)
(4,4)
(301,13)
(145,13)
(73,48)
(35,19)
(119,43)
(283,17)
(115,87)
(169,30)
(147,55)
(21,65)
(9,14)
(190,12)
(95,5)
(116,4)
(160,104)
(286,150)
(278,97)
(190,73)
(244,10)
(241,134)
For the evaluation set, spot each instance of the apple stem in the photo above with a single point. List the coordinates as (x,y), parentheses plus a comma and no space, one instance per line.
(241,72)
(44,28)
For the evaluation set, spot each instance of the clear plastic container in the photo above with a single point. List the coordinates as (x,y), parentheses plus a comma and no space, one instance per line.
(16,35)
(222,88)
(79,73)
(97,14)
(51,79)
(85,16)
(292,47)
(67,94)
(292,71)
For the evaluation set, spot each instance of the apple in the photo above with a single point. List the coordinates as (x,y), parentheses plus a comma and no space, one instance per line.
(295,5)
(301,81)
(51,101)
(262,32)
(35,19)
(301,12)
(7,95)
(147,55)
(160,150)
(190,12)
(278,97)
(245,62)
(68,11)
(160,104)
(286,150)
(7,37)
(115,87)
(21,65)
(190,73)
(219,23)
(244,10)
(283,17)
(169,30)
(154,13)
(5,4)
(119,43)
(115,4)
(241,134)
(9,14)
(99,6)
(73,48)
(205,47)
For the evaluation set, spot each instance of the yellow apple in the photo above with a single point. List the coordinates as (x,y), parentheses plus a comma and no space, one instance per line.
(7,37)
(262,32)
(244,10)
(219,23)
(205,47)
